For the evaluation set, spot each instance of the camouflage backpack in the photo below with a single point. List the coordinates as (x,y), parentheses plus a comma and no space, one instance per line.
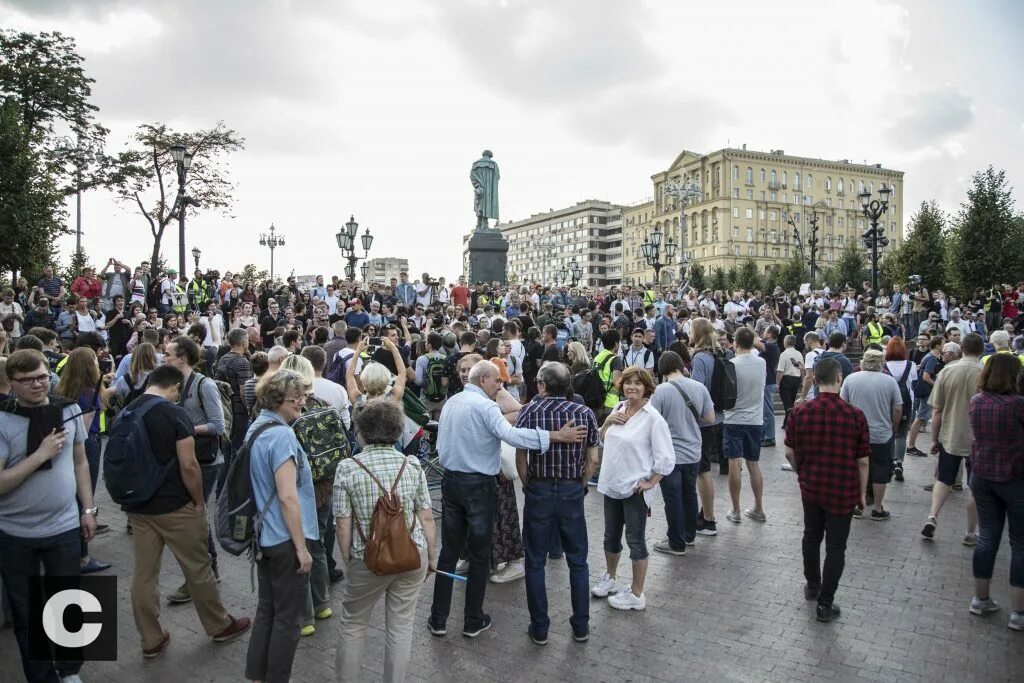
(323,436)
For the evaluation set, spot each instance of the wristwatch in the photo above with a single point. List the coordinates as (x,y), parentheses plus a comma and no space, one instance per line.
(91,511)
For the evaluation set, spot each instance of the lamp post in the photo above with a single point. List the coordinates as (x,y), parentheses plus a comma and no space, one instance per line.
(651,249)
(874,236)
(812,243)
(196,253)
(272,240)
(182,163)
(575,272)
(365,270)
(80,157)
(347,243)
(685,192)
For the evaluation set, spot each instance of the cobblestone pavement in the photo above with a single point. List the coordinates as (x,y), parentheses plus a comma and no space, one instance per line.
(732,609)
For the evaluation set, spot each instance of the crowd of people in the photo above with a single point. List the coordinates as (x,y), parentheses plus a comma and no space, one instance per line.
(339,399)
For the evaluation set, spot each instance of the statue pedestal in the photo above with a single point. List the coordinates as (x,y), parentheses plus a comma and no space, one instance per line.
(488,256)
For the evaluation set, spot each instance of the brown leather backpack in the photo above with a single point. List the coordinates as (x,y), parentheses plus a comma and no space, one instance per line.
(390,549)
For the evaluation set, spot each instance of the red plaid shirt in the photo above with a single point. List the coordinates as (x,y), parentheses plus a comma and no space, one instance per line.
(997,423)
(828,436)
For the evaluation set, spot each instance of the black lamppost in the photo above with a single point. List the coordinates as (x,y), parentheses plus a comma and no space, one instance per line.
(272,240)
(575,272)
(196,253)
(365,270)
(874,236)
(812,243)
(347,243)
(651,249)
(182,163)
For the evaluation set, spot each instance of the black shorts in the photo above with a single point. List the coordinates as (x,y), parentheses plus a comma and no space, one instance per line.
(880,463)
(710,447)
(949,467)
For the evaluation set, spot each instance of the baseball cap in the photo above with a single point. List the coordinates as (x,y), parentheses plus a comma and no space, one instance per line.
(638,329)
(172,271)
(353,302)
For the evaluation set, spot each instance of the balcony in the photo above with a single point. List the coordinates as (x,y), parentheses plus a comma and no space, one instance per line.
(776,186)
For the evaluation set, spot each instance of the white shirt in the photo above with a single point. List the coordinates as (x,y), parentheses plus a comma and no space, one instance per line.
(335,396)
(634,451)
(896,368)
(86,323)
(961,324)
(734,307)
(332,304)
(214,330)
(422,294)
(625,305)
(639,358)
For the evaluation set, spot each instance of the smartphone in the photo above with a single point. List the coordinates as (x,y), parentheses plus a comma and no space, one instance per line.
(374,341)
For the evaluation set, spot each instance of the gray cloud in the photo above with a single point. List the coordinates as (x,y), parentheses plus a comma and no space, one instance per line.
(930,116)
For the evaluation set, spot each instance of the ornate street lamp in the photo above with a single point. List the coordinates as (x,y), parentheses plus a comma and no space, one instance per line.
(651,250)
(365,269)
(346,238)
(874,236)
(182,163)
(686,193)
(576,271)
(196,253)
(812,243)
(272,240)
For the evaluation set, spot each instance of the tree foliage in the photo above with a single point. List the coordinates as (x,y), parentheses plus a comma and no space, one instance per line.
(147,175)
(852,267)
(922,253)
(32,210)
(250,273)
(986,245)
(793,273)
(697,279)
(747,276)
(719,281)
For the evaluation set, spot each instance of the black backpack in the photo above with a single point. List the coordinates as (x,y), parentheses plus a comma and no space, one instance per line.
(590,387)
(433,387)
(130,468)
(724,386)
(908,402)
(238,521)
(338,368)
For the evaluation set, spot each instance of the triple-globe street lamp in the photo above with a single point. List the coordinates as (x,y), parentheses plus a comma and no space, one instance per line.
(812,242)
(874,236)
(651,249)
(182,163)
(686,193)
(347,243)
(272,240)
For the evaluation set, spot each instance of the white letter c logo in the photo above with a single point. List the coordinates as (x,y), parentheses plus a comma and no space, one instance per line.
(53,618)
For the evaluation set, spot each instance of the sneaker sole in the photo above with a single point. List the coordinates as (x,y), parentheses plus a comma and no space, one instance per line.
(707,532)
(627,609)
(670,551)
(756,519)
(474,634)
(224,639)
(1015,626)
(438,632)
(538,641)
(928,532)
(982,612)
(179,601)
(604,595)
(504,579)
(581,639)
(880,519)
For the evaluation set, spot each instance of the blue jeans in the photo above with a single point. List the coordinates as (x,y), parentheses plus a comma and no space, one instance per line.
(768,413)
(555,506)
(469,501)
(21,558)
(999,503)
(679,490)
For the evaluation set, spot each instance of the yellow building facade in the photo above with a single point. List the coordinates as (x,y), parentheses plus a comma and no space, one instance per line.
(747,200)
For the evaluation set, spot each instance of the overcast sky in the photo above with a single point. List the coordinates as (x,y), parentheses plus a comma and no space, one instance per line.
(378,109)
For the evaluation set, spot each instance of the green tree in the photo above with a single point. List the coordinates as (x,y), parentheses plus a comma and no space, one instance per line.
(147,176)
(32,210)
(697,278)
(986,245)
(922,253)
(76,263)
(719,281)
(249,273)
(793,273)
(851,268)
(747,276)
(732,278)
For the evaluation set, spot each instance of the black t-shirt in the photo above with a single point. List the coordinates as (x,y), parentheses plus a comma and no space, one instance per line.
(451,370)
(168,424)
(551,352)
(771,360)
(267,327)
(119,333)
(385,358)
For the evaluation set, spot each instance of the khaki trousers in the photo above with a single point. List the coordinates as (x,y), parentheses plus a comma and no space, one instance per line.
(362,590)
(185,532)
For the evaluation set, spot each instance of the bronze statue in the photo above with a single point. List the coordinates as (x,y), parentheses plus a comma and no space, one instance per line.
(484,175)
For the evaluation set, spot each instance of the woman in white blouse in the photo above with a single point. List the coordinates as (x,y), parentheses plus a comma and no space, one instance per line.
(637,454)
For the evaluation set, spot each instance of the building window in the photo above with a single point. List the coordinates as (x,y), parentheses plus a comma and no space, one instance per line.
(735,232)
(736,251)
(750,176)
(750,234)
(810,182)
(760,214)
(860,223)
(783,180)
(750,194)
(775,196)
(735,172)
(839,222)
(828,240)
(862,187)
(773,215)
(735,193)
(774,236)
(796,217)
(840,188)
(750,214)
(796,181)
(750,251)
(842,241)
(775,253)
(762,175)
(828,184)
(704,252)
(762,195)
(735,212)
(807,199)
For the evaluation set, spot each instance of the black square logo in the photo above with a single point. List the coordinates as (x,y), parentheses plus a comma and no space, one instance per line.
(72,618)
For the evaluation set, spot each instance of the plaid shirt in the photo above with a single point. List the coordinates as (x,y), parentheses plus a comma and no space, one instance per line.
(828,436)
(561,460)
(997,422)
(355,491)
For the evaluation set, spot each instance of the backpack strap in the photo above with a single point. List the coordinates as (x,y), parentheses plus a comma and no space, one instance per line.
(689,403)
(391,493)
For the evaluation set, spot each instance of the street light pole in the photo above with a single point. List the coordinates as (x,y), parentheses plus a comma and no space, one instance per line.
(651,249)
(182,163)
(874,237)
(272,240)
(685,192)
(812,243)
(346,238)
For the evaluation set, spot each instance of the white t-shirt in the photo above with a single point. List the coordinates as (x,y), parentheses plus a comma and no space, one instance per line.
(734,307)
(332,304)
(335,396)
(86,323)
(750,380)
(639,358)
(791,363)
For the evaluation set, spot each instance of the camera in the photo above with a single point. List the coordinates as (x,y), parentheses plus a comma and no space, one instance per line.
(914,281)
(212,276)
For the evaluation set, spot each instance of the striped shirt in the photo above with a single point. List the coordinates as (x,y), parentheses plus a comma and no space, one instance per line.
(561,460)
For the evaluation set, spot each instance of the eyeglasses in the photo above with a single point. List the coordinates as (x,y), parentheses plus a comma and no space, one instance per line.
(38,379)
(299,400)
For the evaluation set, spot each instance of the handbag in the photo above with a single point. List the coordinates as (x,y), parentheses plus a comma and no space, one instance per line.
(508,462)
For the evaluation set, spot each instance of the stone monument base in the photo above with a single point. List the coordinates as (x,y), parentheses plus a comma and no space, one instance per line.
(488,256)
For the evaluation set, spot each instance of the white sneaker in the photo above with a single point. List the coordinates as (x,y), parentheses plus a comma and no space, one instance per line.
(626,601)
(462,567)
(73,678)
(605,587)
(510,572)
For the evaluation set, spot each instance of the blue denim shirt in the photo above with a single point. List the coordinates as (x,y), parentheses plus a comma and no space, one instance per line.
(471,430)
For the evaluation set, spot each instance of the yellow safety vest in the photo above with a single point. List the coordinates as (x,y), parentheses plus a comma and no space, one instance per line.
(604,371)
(875,333)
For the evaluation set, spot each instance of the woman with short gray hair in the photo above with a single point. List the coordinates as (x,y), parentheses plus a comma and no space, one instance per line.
(359,482)
(282,484)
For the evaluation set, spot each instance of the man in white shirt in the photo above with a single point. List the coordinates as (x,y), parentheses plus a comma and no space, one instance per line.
(638,355)
(331,300)
(958,323)
(735,306)
(741,438)
(424,291)
(213,323)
